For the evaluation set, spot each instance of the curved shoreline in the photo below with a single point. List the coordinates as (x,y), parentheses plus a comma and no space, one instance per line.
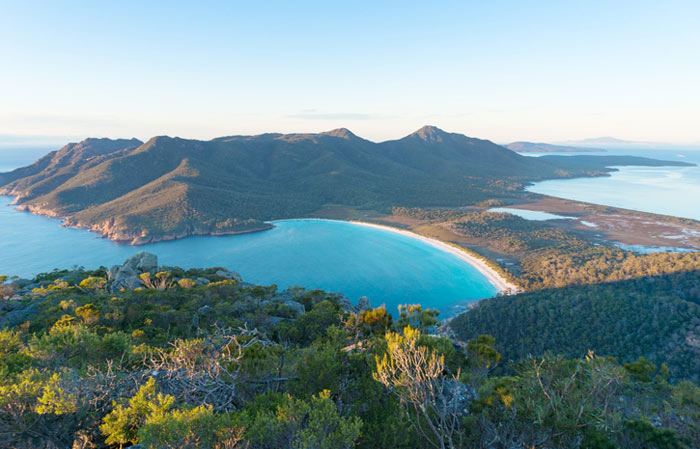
(502,285)
(498,281)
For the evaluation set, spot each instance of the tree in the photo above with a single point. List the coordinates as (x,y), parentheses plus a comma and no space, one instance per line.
(368,322)
(160,281)
(415,316)
(6,290)
(186,283)
(300,424)
(415,374)
(122,424)
(482,352)
(92,283)
(569,396)
(89,313)
(196,428)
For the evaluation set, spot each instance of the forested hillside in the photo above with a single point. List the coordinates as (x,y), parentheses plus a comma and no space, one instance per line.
(171,187)
(655,317)
(201,359)
(545,256)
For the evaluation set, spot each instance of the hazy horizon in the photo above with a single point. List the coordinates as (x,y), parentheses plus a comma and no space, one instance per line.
(43,142)
(543,72)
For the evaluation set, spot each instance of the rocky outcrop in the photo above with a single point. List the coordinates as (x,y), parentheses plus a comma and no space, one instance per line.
(142,261)
(363,303)
(231,275)
(126,276)
(296,308)
(127,283)
(347,305)
(20,315)
(120,232)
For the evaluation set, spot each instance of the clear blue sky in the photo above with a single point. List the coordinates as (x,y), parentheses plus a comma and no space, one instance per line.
(532,70)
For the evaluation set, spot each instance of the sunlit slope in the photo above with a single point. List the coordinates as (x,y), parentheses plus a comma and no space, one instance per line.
(170,187)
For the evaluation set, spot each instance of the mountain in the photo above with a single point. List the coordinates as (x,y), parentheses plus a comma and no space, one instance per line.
(612,142)
(604,141)
(530,147)
(56,167)
(170,187)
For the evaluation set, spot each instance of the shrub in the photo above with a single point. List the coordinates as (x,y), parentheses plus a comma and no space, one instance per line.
(122,424)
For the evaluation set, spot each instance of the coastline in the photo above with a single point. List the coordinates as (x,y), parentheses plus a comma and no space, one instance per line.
(124,237)
(498,281)
(503,286)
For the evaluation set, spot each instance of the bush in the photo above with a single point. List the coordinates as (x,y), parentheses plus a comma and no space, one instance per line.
(122,424)
(303,425)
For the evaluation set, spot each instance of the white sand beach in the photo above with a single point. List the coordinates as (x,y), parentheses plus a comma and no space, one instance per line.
(492,275)
(498,281)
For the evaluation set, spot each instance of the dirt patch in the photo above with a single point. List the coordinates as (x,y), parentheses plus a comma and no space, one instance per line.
(339,212)
(620,225)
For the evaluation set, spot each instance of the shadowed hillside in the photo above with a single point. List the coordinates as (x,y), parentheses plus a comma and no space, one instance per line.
(654,317)
(170,187)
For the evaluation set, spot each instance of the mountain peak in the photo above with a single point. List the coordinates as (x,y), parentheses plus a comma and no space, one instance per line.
(430,133)
(93,146)
(107,140)
(342,133)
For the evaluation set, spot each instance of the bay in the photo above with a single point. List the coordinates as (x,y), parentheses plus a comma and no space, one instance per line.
(662,190)
(355,260)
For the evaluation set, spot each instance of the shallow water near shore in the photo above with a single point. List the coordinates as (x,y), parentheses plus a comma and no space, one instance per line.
(661,190)
(389,268)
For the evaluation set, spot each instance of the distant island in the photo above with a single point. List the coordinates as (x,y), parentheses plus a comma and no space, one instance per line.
(168,187)
(613,142)
(531,147)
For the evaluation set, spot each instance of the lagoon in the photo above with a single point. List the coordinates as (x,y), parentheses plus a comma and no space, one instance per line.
(530,214)
(355,260)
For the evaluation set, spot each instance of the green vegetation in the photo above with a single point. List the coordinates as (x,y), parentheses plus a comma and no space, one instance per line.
(657,318)
(193,360)
(548,257)
(171,187)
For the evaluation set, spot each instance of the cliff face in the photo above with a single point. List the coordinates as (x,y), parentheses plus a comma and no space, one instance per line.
(168,188)
(120,232)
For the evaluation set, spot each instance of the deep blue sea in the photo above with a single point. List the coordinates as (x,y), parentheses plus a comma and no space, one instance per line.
(662,190)
(388,268)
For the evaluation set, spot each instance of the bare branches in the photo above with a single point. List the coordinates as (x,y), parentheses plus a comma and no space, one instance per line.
(205,370)
(415,374)
(160,281)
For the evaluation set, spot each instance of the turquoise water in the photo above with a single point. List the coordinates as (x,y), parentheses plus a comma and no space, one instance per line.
(356,260)
(662,190)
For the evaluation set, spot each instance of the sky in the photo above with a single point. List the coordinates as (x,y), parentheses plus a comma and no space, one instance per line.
(500,70)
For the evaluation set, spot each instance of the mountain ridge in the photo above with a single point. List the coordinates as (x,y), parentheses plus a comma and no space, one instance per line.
(170,187)
(538,147)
